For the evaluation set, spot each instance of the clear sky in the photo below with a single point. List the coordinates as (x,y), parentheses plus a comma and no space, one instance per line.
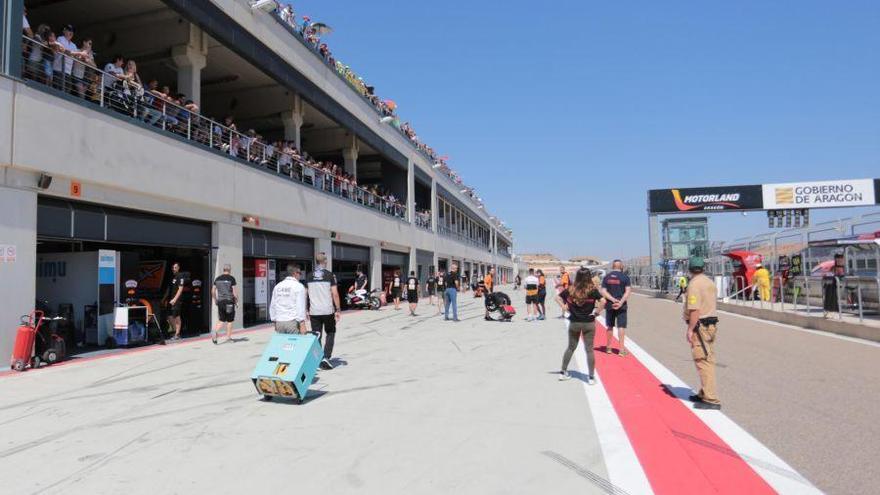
(562,114)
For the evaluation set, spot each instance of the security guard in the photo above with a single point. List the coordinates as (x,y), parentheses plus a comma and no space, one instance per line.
(701,317)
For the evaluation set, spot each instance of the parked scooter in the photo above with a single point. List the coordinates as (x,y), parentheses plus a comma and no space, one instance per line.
(360,299)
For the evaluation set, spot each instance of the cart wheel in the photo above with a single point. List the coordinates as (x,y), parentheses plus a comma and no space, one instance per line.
(18,365)
(35,362)
(375,304)
(50,356)
(266,398)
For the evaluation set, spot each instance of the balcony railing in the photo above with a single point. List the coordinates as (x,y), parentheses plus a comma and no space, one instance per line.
(423,220)
(461,237)
(125,95)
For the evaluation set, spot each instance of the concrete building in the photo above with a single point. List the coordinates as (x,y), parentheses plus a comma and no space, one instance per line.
(101,184)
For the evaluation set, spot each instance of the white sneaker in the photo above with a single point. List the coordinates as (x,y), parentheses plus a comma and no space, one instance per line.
(564,376)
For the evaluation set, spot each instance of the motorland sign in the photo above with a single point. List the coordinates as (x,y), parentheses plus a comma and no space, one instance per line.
(822,194)
(684,200)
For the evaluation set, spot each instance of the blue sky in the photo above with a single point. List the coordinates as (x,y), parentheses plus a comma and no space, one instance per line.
(562,114)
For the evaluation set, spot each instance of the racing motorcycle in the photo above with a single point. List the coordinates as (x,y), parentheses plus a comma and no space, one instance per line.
(361,299)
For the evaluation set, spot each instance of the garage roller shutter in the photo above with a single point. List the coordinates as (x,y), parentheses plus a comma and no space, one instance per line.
(349,252)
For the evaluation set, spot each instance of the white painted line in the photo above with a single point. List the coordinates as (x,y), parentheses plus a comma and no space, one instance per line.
(820,333)
(624,469)
(776,472)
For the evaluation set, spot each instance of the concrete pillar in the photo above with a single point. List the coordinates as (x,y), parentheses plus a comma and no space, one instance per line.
(376,267)
(190,59)
(655,250)
(413,261)
(350,156)
(411,190)
(325,246)
(435,206)
(293,121)
(227,241)
(18,285)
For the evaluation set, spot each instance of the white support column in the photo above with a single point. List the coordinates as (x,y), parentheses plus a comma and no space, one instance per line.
(226,238)
(376,267)
(325,245)
(411,191)
(18,262)
(435,206)
(413,261)
(293,121)
(350,155)
(190,59)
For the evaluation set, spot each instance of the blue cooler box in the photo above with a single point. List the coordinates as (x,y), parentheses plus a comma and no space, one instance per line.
(288,366)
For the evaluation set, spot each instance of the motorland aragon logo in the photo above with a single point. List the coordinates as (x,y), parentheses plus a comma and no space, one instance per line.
(705,201)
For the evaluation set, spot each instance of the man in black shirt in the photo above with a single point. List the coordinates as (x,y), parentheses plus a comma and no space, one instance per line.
(412,292)
(225,296)
(174,298)
(395,285)
(441,290)
(431,288)
(453,283)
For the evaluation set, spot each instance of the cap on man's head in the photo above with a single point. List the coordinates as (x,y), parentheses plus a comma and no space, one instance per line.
(696,262)
(68,27)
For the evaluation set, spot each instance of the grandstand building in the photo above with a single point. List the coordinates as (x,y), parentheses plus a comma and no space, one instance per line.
(260,152)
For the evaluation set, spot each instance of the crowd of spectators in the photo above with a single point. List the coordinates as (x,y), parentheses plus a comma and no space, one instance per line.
(57,61)
(311,33)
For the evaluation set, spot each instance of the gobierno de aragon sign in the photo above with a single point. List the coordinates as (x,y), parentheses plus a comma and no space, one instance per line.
(794,195)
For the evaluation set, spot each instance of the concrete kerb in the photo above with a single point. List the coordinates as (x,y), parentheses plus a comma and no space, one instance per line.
(809,322)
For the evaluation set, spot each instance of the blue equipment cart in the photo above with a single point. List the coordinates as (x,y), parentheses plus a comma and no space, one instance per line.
(288,366)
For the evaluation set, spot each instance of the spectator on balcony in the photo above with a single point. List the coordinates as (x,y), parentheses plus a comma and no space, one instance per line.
(63,65)
(305,29)
(84,69)
(288,16)
(152,111)
(25,25)
(42,54)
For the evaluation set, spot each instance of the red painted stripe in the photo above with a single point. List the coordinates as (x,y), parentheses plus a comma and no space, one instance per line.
(135,350)
(679,453)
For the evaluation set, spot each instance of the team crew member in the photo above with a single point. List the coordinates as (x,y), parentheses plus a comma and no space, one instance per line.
(288,306)
(441,291)
(394,288)
(542,295)
(453,285)
(489,283)
(174,298)
(701,317)
(616,289)
(682,286)
(431,288)
(531,283)
(323,306)
(564,283)
(582,302)
(412,292)
(762,280)
(226,296)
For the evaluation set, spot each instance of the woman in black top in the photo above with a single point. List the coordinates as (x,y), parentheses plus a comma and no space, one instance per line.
(583,302)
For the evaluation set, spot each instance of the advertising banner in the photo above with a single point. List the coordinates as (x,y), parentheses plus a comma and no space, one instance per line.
(821,194)
(699,199)
(261,282)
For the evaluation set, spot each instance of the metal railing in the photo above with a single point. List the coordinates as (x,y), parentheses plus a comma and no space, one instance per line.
(461,237)
(125,94)
(423,220)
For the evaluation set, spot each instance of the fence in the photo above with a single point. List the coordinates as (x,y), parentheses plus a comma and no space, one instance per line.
(123,93)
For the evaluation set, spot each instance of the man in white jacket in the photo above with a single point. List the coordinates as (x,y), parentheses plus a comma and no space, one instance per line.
(288,307)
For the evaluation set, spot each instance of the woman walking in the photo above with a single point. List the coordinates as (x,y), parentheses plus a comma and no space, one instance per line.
(583,302)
